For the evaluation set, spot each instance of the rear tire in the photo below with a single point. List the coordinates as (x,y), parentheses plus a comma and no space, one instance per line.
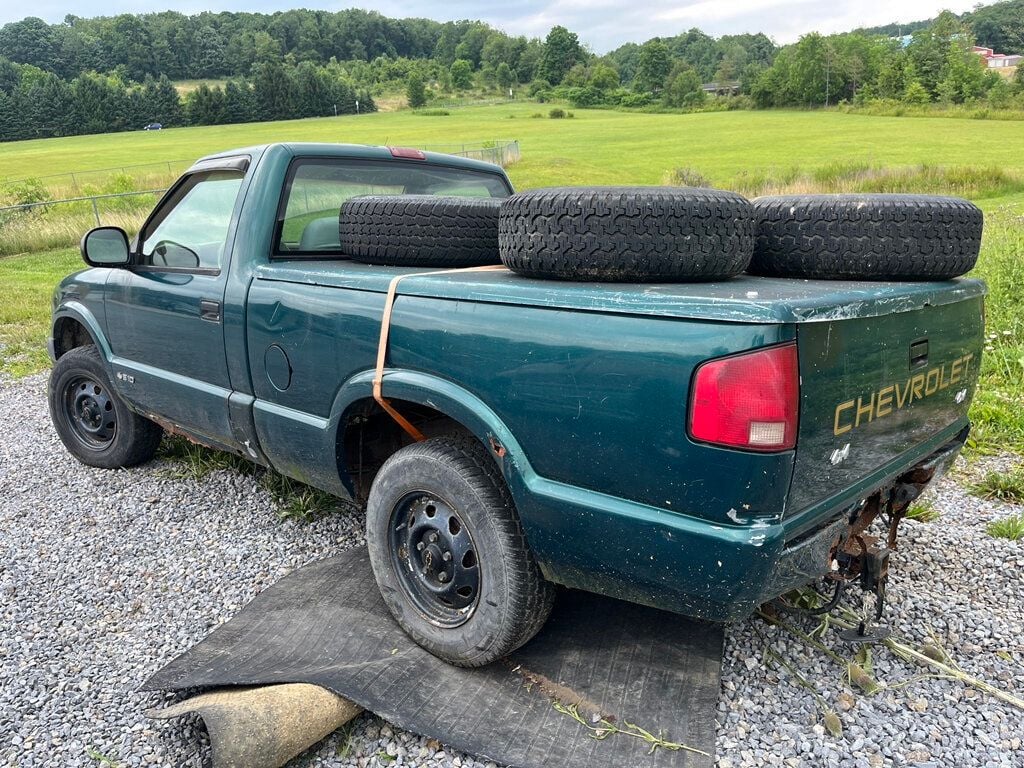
(91,419)
(627,234)
(866,237)
(420,230)
(449,553)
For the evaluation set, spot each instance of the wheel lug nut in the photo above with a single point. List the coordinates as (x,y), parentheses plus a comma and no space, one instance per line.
(446,556)
(419,547)
(442,576)
(432,537)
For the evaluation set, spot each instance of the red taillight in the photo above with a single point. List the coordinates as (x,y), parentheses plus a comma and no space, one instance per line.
(408,153)
(748,401)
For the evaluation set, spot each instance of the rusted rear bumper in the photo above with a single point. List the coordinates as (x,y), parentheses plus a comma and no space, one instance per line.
(809,556)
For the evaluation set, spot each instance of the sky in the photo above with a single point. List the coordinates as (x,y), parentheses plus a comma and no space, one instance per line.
(601,24)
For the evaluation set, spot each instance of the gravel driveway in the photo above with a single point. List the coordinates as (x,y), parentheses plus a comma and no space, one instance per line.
(105,576)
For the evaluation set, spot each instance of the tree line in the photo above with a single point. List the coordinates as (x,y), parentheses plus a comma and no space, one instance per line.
(109,74)
(35,103)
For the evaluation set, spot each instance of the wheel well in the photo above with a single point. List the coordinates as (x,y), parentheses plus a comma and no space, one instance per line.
(368,436)
(68,334)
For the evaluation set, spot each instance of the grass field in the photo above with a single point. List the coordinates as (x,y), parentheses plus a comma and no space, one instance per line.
(750,151)
(595,147)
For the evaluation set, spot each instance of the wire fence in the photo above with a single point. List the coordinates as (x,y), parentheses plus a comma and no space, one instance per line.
(94,200)
(78,179)
(503,153)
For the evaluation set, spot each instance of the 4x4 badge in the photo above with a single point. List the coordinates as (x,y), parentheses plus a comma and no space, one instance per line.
(840,455)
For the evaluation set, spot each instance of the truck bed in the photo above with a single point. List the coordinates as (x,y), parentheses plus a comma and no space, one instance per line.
(744,299)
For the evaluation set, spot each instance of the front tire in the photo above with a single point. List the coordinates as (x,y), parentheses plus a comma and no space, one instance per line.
(449,553)
(91,419)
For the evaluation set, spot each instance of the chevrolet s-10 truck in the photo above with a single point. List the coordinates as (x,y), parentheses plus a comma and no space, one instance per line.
(699,447)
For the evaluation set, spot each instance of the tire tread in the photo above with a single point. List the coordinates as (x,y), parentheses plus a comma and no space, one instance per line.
(628,234)
(866,237)
(420,230)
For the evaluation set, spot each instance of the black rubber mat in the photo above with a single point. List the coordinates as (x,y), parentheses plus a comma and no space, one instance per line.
(326,624)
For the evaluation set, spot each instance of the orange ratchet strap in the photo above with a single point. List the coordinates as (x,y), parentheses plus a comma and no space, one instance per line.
(382,346)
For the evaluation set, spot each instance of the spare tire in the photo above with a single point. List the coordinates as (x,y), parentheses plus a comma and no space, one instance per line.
(628,234)
(866,237)
(420,230)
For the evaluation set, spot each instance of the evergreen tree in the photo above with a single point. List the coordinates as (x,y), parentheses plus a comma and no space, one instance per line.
(313,92)
(205,105)
(239,106)
(10,126)
(166,105)
(273,92)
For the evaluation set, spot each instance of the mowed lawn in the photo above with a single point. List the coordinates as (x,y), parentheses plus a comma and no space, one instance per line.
(594,147)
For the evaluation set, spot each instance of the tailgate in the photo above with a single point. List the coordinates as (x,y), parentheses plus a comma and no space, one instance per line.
(873,388)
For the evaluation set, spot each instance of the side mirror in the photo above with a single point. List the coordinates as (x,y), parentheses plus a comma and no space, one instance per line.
(106,247)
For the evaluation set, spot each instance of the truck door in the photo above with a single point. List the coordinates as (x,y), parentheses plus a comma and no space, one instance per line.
(165,313)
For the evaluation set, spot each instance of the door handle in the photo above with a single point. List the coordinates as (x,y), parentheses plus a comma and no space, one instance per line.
(209,310)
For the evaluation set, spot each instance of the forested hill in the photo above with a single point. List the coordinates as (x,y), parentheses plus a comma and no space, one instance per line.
(214,45)
(114,74)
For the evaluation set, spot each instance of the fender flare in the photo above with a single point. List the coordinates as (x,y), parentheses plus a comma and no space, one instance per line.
(78,312)
(453,401)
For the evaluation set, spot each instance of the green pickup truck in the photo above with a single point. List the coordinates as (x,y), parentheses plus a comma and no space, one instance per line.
(699,447)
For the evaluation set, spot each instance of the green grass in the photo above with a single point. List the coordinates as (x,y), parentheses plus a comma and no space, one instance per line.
(924,511)
(1011,528)
(28,282)
(1004,486)
(293,500)
(997,410)
(597,147)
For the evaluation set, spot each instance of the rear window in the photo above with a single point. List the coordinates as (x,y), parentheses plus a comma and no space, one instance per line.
(308,217)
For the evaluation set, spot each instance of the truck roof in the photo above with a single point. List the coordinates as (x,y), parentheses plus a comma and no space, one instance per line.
(362,151)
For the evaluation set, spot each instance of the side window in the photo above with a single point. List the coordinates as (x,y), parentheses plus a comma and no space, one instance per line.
(189,231)
(308,216)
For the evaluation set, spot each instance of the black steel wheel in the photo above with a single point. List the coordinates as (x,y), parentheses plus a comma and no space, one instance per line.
(449,553)
(91,419)
(89,410)
(434,555)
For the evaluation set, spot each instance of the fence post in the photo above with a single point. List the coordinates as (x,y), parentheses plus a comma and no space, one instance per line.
(74,182)
(96,211)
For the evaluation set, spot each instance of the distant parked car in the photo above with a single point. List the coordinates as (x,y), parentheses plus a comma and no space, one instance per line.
(153,127)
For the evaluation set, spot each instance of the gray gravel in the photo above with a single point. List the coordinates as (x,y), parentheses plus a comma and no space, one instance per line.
(105,576)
